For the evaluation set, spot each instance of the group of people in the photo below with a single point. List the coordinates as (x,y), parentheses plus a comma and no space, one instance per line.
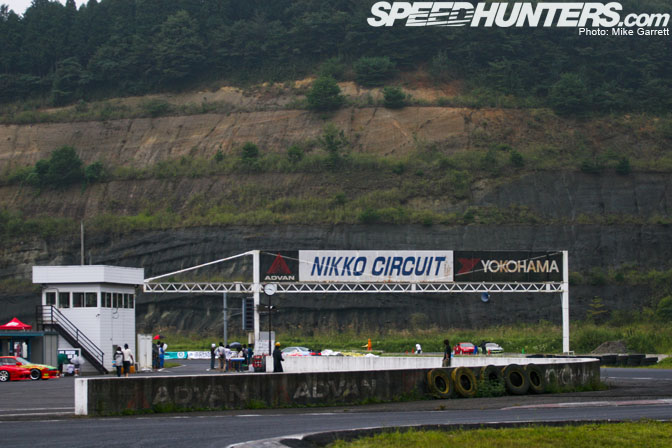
(158,355)
(73,364)
(230,358)
(123,358)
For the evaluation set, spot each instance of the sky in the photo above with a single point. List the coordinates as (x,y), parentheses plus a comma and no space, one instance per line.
(20,6)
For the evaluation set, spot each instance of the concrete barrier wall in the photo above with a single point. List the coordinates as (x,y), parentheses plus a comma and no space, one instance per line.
(478,361)
(301,364)
(105,396)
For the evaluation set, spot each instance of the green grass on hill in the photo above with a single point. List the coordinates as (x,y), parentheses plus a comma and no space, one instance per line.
(610,435)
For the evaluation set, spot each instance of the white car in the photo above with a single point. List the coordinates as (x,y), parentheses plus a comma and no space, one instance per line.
(298,351)
(491,347)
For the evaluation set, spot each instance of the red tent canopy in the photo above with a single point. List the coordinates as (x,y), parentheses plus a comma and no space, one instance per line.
(15,324)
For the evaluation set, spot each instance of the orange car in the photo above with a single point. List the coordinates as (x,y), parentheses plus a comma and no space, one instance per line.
(37,371)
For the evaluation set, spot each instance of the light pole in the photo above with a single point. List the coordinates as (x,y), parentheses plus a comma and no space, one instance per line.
(269,290)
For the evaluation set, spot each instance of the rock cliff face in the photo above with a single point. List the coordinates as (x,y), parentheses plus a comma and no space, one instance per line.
(605,221)
(149,140)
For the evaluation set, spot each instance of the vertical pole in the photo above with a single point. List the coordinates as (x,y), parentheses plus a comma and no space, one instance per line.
(565,302)
(270,325)
(256,286)
(81,242)
(226,323)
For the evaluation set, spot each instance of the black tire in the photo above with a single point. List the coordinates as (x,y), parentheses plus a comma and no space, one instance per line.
(650,361)
(4,376)
(439,383)
(464,382)
(35,374)
(537,378)
(609,360)
(516,380)
(491,374)
(635,360)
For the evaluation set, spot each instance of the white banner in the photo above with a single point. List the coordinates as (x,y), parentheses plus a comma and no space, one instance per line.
(199,355)
(372,266)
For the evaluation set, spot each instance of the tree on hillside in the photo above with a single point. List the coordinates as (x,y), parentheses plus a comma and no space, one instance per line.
(69,79)
(325,94)
(372,72)
(249,156)
(62,169)
(394,97)
(334,142)
(569,95)
(178,48)
(65,168)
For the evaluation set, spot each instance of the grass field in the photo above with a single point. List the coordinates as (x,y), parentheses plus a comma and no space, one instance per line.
(642,434)
(543,337)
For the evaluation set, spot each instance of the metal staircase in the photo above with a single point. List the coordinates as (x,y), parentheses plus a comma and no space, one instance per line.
(49,317)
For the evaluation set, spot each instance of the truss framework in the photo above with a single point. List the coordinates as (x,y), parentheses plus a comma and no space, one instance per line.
(256,288)
(344,288)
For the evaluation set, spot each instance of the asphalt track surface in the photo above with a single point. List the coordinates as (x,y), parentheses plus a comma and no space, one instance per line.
(40,413)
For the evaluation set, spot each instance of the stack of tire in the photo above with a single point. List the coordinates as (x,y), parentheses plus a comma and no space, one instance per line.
(631,360)
(463,381)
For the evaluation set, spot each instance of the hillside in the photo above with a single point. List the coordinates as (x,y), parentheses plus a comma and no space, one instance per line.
(177,191)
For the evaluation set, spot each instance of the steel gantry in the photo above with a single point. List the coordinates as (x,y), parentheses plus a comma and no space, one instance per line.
(256,288)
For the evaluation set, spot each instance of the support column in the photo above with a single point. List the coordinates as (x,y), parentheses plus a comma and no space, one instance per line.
(565,302)
(226,319)
(256,287)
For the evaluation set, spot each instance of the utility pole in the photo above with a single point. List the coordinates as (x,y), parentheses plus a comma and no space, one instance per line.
(226,341)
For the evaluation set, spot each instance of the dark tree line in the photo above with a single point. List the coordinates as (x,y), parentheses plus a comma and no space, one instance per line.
(115,47)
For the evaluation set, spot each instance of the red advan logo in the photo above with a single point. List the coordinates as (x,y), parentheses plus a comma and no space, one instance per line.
(279,271)
(279,266)
(467,265)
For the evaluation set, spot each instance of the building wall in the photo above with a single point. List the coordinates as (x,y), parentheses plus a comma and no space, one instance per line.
(106,327)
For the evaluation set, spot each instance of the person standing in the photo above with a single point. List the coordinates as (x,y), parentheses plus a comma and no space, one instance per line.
(76,361)
(250,353)
(418,349)
(118,360)
(447,353)
(128,359)
(62,359)
(277,359)
(162,353)
(221,352)
(155,357)
(213,348)
(228,354)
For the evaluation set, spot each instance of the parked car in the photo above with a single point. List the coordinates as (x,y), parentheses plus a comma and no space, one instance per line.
(299,351)
(492,347)
(13,373)
(464,348)
(37,371)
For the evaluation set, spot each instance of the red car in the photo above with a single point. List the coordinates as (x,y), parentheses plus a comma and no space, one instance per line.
(13,373)
(36,371)
(465,348)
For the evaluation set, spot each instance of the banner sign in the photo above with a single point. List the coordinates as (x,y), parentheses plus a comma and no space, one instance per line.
(495,266)
(198,355)
(369,266)
(279,266)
